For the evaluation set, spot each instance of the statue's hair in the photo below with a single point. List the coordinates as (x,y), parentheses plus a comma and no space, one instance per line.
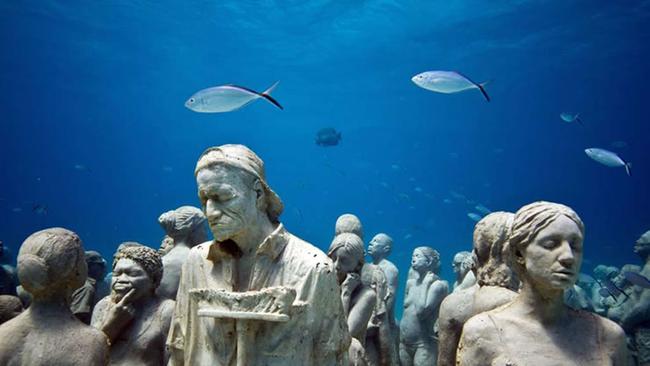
(530,220)
(185,221)
(433,256)
(348,223)
(146,257)
(466,260)
(491,251)
(350,244)
(51,261)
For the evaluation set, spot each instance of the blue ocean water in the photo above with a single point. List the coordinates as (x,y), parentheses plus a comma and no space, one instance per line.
(94,130)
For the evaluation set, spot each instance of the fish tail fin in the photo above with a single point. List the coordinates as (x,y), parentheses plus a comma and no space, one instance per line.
(481,87)
(577,118)
(628,168)
(267,95)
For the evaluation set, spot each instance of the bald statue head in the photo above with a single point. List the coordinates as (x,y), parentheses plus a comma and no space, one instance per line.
(348,223)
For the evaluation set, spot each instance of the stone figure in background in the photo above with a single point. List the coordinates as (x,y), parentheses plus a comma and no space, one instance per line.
(496,283)
(422,298)
(382,337)
(85,297)
(8,279)
(536,328)
(134,318)
(251,254)
(358,297)
(186,226)
(348,223)
(462,265)
(51,265)
(604,276)
(10,307)
(636,318)
(166,244)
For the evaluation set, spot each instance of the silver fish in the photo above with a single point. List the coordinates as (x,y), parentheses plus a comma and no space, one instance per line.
(227,98)
(637,279)
(568,117)
(482,209)
(608,158)
(447,82)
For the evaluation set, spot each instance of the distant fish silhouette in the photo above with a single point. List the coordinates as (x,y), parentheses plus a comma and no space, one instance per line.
(227,98)
(328,137)
(568,117)
(637,279)
(39,209)
(474,216)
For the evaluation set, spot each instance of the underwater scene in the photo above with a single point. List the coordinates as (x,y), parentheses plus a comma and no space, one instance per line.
(420,118)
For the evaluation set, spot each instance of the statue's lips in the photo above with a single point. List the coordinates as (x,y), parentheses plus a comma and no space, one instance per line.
(122,287)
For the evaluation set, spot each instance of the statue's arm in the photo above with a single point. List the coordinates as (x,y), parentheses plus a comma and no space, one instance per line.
(166,319)
(392,276)
(360,313)
(638,313)
(477,344)
(435,294)
(448,333)
(178,326)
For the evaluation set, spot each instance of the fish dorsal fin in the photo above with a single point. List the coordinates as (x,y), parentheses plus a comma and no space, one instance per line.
(270,89)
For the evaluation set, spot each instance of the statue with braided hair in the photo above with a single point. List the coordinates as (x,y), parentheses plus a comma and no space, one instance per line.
(133,317)
(537,328)
(186,226)
(51,265)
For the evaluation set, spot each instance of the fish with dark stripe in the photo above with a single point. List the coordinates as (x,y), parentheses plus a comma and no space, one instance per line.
(227,98)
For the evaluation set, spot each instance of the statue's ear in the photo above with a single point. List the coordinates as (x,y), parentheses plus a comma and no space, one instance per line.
(519,256)
(259,192)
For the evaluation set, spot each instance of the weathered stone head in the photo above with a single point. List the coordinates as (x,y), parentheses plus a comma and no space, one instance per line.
(138,268)
(96,265)
(425,259)
(642,245)
(233,191)
(380,246)
(348,223)
(346,251)
(10,307)
(185,223)
(51,263)
(491,252)
(166,245)
(546,245)
(462,263)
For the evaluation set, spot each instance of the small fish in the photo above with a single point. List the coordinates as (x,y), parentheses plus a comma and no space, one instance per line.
(637,279)
(418,189)
(482,209)
(407,236)
(568,117)
(447,82)
(608,158)
(403,197)
(16,210)
(227,98)
(474,216)
(619,144)
(384,184)
(395,167)
(327,137)
(80,167)
(446,201)
(167,169)
(39,209)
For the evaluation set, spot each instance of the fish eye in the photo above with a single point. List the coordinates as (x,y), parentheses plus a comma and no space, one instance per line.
(191,100)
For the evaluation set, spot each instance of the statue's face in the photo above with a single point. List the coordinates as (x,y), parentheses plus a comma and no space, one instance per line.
(640,248)
(419,261)
(457,264)
(378,246)
(127,275)
(344,263)
(229,202)
(554,257)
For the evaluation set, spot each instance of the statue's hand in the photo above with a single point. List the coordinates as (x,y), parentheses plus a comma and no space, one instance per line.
(352,281)
(119,315)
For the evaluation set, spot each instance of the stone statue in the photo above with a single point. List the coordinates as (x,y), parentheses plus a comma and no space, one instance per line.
(348,223)
(133,317)
(10,307)
(166,244)
(424,293)
(462,265)
(635,318)
(51,265)
(186,227)
(251,252)
(603,275)
(536,328)
(359,297)
(8,280)
(496,284)
(382,337)
(85,297)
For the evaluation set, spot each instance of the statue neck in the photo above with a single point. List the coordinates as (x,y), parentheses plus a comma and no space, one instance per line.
(251,239)
(543,304)
(46,307)
(376,259)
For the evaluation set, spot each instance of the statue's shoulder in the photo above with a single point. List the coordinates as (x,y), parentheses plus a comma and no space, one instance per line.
(481,326)
(305,252)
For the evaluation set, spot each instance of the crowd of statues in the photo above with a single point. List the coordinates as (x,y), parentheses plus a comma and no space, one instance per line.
(258,295)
